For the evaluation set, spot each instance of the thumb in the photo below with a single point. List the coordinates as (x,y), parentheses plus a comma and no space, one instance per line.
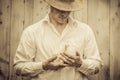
(52,59)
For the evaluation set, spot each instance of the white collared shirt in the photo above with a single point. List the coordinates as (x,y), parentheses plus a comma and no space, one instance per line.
(41,41)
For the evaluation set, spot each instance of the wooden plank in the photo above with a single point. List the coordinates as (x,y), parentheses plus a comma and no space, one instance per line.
(5,7)
(17,26)
(98,19)
(29,4)
(41,8)
(22,17)
(114,39)
(81,15)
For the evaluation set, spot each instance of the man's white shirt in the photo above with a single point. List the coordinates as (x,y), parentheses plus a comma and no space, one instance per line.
(41,41)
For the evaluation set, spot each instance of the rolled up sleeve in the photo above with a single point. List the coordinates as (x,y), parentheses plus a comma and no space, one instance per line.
(91,62)
(24,63)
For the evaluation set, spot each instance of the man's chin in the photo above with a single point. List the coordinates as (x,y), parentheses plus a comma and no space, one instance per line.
(62,21)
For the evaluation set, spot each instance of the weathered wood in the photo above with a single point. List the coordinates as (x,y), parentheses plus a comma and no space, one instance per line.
(115,39)
(82,14)
(95,12)
(41,8)
(17,26)
(29,5)
(22,17)
(5,7)
(98,19)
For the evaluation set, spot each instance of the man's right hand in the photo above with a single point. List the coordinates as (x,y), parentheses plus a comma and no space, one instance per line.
(53,64)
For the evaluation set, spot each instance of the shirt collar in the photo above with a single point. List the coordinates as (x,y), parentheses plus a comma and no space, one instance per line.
(71,21)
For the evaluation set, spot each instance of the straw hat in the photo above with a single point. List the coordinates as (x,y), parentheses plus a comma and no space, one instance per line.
(66,5)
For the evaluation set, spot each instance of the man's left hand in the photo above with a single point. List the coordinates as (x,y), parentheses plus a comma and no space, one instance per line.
(72,61)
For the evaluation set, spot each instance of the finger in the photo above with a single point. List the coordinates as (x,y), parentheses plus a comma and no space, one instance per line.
(68,59)
(69,56)
(65,60)
(63,65)
(52,59)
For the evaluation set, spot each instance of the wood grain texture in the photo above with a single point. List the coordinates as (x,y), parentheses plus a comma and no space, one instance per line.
(103,16)
(41,8)
(81,15)
(5,7)
(17,26)
(21,17)
(28,12)
(115,40)
(98,19)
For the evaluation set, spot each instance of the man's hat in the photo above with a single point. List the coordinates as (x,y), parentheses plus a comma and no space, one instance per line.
(66,5)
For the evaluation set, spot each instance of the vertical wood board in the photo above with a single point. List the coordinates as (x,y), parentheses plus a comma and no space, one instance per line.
(17,26)
(81,15)
(28,12)
(5,7)
(98,19)
(115,39)
(40,10)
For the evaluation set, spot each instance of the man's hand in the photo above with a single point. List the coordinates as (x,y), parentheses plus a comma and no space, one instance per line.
(73,61)
(53,64)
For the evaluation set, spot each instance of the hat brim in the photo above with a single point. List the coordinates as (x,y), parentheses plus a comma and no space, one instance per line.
(65,5)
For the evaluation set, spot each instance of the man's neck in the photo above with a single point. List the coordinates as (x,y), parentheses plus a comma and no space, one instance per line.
(59,26)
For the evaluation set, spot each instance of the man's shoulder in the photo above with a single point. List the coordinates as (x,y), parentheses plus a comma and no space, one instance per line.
(83,26)
(34,27)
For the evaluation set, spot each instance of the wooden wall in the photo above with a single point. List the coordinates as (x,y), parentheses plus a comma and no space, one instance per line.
(102,15)
(5,6)
(115,40)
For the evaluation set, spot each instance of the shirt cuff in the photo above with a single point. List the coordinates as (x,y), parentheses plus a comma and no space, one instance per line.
(38,66)
(32,69)
(89,67)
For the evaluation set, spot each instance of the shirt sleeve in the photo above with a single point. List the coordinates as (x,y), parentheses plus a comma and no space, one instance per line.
(91,62)
(24,63)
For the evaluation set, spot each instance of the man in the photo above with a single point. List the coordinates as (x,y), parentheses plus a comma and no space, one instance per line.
(58,47)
